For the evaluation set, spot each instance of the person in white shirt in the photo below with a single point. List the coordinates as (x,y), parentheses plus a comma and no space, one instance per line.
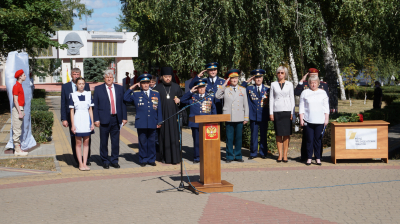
(314,115)
(281,109)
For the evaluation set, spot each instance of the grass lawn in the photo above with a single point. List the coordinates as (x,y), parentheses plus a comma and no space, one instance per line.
(46,163)
(357,106)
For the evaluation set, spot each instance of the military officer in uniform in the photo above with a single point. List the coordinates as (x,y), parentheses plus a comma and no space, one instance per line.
(235,104)
(205,106)
(257,97)
(213,83)
(148,114)
(303,85)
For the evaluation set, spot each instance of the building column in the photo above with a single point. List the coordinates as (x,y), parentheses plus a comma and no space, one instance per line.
(65,68)
(123,65)
(79,64)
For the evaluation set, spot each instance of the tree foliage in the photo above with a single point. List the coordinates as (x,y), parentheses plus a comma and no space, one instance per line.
(94,68)
(258,34)
(28,24)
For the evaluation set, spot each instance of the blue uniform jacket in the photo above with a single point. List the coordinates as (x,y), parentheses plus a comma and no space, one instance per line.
(148,109)
(258,108)
(205,107)
(299,88)
(218,83)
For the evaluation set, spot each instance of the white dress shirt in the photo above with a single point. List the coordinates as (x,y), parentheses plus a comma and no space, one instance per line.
(115,100)
(212,80)
(74,88)
(147,92)
(314,105)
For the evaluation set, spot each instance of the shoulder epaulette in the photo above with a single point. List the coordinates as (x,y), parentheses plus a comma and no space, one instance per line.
(242,87)
(137,91)
(155,91)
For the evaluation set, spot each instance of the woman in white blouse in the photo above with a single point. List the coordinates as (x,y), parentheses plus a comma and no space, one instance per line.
(281,109)
(314,115)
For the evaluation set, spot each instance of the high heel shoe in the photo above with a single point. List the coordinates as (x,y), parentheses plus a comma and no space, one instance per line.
(278,161)
(285,161)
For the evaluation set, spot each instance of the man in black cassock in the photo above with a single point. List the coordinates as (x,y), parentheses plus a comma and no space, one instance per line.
(168,134)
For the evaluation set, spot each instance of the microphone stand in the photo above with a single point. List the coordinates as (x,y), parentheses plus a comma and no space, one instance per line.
(182,186)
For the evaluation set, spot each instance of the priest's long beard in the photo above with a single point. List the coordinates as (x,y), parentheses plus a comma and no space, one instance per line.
(166,84)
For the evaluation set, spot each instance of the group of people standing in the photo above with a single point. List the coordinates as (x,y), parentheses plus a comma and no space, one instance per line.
(154,103)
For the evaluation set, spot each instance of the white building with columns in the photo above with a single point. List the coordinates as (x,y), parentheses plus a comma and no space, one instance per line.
(122,46)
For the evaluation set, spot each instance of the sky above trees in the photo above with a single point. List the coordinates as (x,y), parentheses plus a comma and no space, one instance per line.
(104,18)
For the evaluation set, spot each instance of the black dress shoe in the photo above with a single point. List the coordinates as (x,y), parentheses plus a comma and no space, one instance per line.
(308,164)
(319,164)
(228,161)
(239,160)
(194,162)
(251,157)
(88,163)
(263,157)
(115,165)
(106,166)
(152,164)
(142,164)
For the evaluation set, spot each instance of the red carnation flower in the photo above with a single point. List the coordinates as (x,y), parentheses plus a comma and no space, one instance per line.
(361,117)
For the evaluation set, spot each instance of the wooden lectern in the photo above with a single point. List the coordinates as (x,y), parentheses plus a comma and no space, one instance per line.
(210,154)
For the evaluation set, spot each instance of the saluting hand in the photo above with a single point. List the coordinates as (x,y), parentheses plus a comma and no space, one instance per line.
(226,81)
(136,84)
(201,73)
(193,89)
(250,79)
(304,78)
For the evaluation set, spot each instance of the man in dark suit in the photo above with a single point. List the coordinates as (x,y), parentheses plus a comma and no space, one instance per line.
(110,115)
(66,91)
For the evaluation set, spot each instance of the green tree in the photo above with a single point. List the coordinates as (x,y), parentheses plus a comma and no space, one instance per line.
(94,68)
(28,24)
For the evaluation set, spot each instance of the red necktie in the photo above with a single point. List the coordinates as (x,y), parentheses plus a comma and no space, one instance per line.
(112,101)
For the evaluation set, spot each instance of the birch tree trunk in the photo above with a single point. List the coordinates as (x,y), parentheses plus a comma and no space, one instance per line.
(339,76)
(293,67)
(331,74)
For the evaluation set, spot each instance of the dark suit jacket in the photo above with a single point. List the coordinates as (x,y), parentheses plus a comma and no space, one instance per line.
(66,90)
(101,111)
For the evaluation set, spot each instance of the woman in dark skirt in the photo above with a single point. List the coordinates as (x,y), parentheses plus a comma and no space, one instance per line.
(281,109)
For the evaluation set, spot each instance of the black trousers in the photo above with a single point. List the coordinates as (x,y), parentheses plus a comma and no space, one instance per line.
(314,140)
(110,130)
(73,143)
(303,150)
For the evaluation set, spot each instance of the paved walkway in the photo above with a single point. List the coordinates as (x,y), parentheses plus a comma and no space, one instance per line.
(264,191)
